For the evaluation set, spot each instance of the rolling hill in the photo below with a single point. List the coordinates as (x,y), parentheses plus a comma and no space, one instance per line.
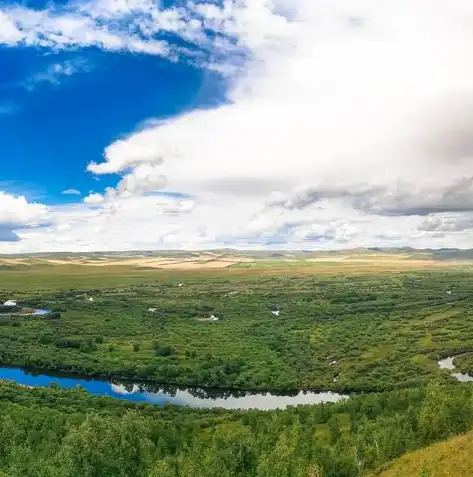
(451,458)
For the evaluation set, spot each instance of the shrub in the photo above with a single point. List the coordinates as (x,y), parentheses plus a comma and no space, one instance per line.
(68,343)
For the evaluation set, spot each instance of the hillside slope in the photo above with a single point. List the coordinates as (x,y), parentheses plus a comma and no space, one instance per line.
(451,458)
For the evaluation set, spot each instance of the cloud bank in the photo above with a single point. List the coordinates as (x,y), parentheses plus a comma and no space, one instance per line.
(347,124)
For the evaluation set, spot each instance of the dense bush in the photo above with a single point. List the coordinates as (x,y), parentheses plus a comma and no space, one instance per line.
(380,332)
(53,432)
(68,343)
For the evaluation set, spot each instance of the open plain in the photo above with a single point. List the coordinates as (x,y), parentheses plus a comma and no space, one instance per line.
(367,328)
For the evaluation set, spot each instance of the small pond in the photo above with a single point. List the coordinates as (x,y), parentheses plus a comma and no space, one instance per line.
(447,363)
(160,395)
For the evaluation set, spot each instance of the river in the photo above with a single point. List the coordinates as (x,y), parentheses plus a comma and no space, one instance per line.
(160,395)
(192,397)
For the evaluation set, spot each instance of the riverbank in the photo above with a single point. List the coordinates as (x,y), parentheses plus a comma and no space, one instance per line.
(160,395)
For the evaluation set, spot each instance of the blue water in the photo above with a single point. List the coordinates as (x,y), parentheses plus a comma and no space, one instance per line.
(40,311)
(159,395)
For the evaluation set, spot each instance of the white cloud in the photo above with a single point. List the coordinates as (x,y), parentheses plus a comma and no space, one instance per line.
(17,213)
(17,210)
(71,27)
(356,104)
(360,110)
(447,223)
(71,192)
(399,198)
(94,199)
(115,224)
(10,35)
(138,26)
(56,72)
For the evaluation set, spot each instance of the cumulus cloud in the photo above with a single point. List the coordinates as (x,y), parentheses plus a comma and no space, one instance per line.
(339,100)
(94,198)
(17,213)
(398,198)
(138,223)
(447,223)
(346,123)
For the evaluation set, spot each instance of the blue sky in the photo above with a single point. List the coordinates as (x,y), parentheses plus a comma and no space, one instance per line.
(296,124)
(108,96)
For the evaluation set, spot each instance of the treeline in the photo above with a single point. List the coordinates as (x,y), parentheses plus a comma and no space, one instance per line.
(55,433)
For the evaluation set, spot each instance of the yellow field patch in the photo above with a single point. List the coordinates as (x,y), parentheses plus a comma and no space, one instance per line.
(320,263)
(452,458)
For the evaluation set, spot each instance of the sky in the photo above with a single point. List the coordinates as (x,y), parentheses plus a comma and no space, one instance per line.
(249,124)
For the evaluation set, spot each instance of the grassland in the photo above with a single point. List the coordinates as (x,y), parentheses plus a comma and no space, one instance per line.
(375,321)
(359,331)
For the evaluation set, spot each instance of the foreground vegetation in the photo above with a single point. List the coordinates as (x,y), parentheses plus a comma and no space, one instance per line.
(51,432)
(368,333)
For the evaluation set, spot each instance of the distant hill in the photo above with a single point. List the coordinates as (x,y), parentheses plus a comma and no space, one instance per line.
(449,254)
(357,260)
(435,254)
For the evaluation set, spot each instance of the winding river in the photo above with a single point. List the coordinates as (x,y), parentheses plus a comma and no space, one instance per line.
(160,395)
(193,397)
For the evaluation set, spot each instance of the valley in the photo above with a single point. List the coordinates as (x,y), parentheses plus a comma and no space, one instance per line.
(249,362)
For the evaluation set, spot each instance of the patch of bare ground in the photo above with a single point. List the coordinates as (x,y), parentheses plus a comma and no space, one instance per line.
(320,265)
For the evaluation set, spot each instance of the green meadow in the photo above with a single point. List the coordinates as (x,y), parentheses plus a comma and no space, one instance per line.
(357,332)
(374,333)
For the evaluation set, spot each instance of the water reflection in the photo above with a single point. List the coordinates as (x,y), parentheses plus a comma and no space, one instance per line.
(204,398)
(447,363)
(160,395)
(34,312)
(40,311)
(463,378)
